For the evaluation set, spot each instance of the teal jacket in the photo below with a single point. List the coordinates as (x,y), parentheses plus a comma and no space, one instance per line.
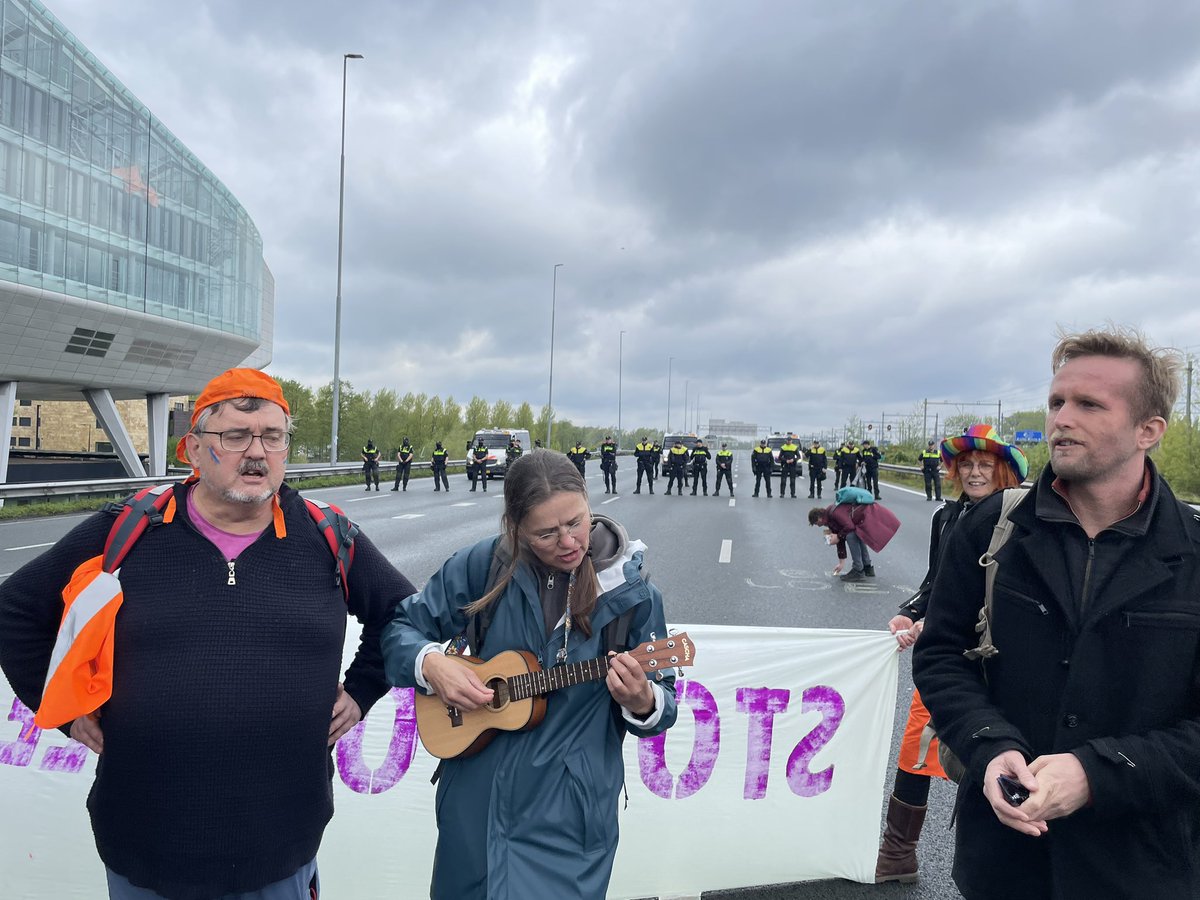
(534,814)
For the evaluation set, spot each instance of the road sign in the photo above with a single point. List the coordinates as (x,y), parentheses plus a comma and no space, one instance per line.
(1028,437)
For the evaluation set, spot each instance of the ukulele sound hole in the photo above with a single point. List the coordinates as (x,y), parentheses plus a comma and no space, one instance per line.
(500,696)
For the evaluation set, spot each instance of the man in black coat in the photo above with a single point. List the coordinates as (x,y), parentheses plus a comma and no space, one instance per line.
(1092,703)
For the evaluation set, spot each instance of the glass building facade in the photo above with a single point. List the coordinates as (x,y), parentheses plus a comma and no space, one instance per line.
(99,201)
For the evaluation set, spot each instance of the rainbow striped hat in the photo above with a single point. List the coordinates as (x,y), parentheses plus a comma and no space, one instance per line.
(984,437)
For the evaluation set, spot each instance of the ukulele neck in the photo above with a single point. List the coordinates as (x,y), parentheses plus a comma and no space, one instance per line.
(535,684)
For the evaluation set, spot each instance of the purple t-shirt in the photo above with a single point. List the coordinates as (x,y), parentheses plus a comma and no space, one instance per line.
(230,545)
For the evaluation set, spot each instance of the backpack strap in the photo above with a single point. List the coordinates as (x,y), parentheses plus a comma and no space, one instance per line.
(339,533)
(147,508)
(1009,501)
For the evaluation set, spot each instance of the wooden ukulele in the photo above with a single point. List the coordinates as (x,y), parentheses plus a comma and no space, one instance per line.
(519,686)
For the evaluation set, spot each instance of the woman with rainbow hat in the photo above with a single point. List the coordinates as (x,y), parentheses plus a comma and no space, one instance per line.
(978,464)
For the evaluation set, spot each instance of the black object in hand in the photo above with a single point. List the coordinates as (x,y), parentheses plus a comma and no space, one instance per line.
(1013,791)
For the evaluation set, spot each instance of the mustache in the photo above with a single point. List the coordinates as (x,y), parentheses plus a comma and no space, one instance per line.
(252,467)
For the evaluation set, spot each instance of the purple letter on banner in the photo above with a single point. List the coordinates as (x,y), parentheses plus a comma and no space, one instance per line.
(20,751)
(760,705)
(832,707)
(707,743)
(400,752)
(65,759)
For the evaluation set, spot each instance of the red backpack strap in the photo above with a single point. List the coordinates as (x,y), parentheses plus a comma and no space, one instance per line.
(339,533)
(135,514)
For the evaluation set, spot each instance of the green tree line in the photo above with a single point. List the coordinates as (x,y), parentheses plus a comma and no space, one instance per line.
(387,417)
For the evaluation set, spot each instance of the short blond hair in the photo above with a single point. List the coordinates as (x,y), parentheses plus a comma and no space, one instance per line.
(1155,393)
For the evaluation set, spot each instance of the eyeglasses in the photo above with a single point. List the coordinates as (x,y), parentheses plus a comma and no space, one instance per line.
(239,439)
(984,466)
(550,536)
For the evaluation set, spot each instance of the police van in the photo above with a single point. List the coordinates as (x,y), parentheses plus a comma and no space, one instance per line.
(775,441)
(496,440)
(688,439)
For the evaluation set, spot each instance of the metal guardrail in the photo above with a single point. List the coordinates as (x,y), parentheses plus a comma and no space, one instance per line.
(46,490)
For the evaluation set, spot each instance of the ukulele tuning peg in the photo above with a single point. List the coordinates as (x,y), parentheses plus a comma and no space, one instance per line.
(658,676)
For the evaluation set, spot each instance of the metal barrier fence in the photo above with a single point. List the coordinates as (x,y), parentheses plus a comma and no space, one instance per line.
(61,490)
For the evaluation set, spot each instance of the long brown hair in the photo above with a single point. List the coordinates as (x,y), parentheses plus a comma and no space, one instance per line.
(530,481)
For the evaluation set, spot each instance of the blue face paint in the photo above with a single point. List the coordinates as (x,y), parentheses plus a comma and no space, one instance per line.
(213,454)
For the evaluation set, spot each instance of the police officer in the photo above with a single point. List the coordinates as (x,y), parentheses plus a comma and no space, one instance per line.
(676,467)
(646,455)
(818,462)
(933,475)
(404,458)
(871,456)
(479,470)
(658,455)
(579,455)
(512,452)
(789,459)
(724,469)
(700,457)
(761,463)
(846,460)
(608,464)
(370,457)
(439,467)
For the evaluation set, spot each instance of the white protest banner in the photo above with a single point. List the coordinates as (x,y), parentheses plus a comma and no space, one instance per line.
(774,772)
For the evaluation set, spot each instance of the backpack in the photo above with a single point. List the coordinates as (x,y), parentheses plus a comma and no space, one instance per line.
(79,676)
(148,508)
(856,495)
(1010,500)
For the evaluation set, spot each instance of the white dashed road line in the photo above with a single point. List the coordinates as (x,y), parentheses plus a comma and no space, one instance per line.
(726,552)
(31,546)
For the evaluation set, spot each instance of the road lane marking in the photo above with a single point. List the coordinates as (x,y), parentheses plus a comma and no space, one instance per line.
(410,516)
(732,502)
(376,496)
(726,552)
(469,503)
(611,500)
(31,546)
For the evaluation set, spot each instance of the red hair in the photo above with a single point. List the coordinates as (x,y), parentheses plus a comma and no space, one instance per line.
(1003,477)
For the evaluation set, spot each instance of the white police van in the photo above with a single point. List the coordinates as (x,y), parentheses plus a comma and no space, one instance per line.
(496,440)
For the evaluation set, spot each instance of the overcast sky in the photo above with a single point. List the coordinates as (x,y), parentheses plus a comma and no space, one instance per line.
(818,209)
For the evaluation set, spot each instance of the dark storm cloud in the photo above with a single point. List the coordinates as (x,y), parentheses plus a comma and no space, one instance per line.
(818,210)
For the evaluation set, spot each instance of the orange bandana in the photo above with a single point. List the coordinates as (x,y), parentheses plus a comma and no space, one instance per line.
(232,385)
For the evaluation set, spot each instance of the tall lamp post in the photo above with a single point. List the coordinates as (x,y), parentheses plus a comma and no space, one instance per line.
(620,367)
(337,320)
(550,398)
(670,361)
(686,383)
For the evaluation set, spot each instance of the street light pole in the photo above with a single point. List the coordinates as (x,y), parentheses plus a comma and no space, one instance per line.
(337,316)
(550,398)
(686,383)
(620,369)
(670,360)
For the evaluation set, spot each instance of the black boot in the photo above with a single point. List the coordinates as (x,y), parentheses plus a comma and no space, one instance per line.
(897,859)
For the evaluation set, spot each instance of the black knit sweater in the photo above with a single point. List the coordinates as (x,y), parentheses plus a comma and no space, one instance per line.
(215,776)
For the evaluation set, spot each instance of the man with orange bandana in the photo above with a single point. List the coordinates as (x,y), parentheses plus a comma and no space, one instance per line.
(223,694)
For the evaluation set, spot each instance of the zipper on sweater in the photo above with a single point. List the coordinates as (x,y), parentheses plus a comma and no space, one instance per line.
(232,576)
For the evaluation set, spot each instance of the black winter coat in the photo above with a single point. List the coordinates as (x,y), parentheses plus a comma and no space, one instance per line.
(1117,685)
